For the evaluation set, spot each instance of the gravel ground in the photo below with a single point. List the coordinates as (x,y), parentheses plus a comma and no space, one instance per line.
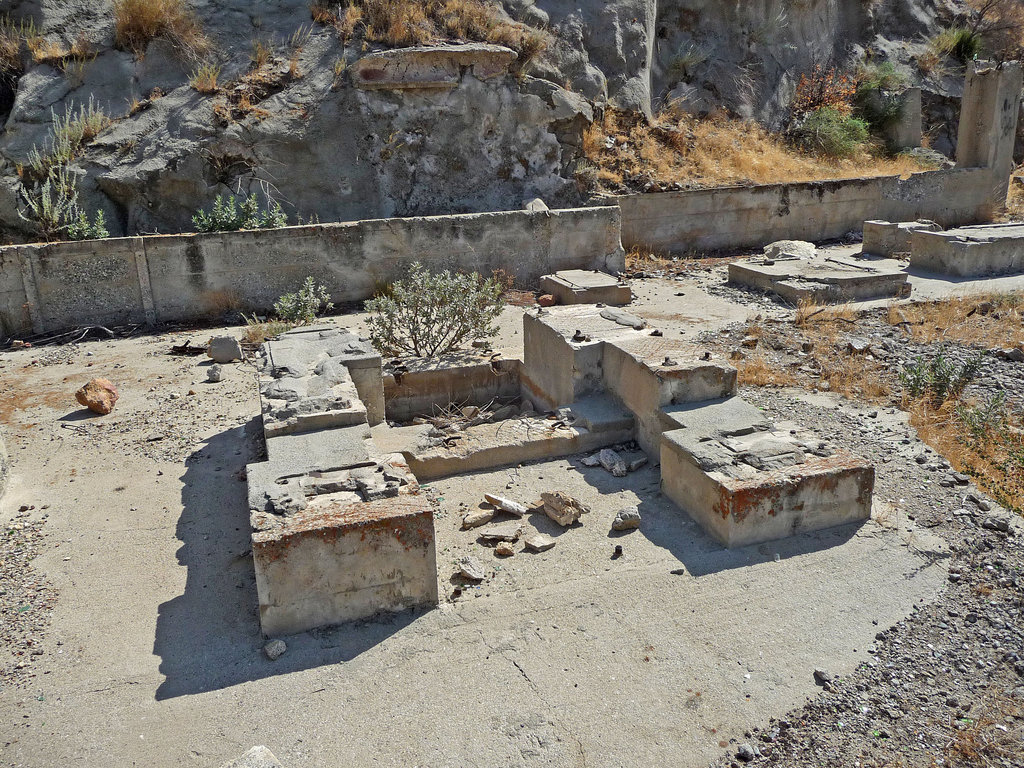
(945,687)
(26,599)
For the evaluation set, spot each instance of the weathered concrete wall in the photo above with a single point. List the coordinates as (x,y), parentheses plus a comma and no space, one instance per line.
(750,217)
(435,385)
(188,277)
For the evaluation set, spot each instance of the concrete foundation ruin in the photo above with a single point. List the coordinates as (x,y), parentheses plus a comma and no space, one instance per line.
(340,531)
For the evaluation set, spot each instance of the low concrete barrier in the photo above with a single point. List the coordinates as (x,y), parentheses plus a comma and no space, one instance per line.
(750,217)
(163,278)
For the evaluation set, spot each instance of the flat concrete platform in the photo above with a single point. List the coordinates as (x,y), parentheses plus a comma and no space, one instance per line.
(827,277)
(976,251)
(889,238)
(580,286)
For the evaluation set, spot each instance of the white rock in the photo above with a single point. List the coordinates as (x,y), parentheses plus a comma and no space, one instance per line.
(539,542)
(505,505)
(477,517)
(563,508)
(790,249)
(504,532)
(275,649)
(224,349)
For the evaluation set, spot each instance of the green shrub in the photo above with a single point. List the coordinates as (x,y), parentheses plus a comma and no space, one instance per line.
(877,99)
(982,418)
(80,228)
(430,314)
(228,215)
(939,379)
(829,132)
(303,307)
(52,207)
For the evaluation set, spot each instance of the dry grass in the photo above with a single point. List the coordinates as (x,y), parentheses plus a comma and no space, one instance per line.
(756,371)
(991,319)
(138,22)
(204,79)
(402,23)
(680,149)
(257,332)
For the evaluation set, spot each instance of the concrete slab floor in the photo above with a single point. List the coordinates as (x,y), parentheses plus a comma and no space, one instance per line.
(564,658)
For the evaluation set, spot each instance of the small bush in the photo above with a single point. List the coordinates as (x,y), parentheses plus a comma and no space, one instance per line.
(303,307)
(960,43)
(430,314)
(228,215)
(80,228)
(204,79)
(877,99)
(829,132)
(139,22)
(823,89)
(939,379)
(52,207)
(988,416)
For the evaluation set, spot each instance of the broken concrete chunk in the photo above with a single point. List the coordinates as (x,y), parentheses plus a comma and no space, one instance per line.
(612,462)
(563,508)
(275,649)
(539,542)
(214,373)
(789,249)
(470,568)
(636,464)
(627,519)
(623,318)
(506,505)
(224,349)
(477,517)
(590,461)
(504,532)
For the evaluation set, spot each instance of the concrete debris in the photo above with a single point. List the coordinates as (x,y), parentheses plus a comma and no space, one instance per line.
(590,461)
(546,300)
(612,462)
(627,519)
(275,649)
(224,349)
(539,542)
(99,396)
(504,549)
(471,568)
(563,508)
(505,505)
(214,373)
(636,464)
(624,318)
(789,249)
(504,532)
(477,517)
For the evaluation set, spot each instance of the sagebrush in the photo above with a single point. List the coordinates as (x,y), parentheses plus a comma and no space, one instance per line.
(228,215)
(430,314)
(305,305)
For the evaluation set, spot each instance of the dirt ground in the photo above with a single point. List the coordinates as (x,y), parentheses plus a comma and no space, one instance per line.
(131,573)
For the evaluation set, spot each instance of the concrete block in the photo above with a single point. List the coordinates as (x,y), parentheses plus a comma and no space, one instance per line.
(339,562)
(322,449)
(886,238)
(746,483)
(427,385)
(824,278)
(978,251)
(556,368)
(578,286)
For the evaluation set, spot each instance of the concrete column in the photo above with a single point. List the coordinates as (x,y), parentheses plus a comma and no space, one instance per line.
(988,121)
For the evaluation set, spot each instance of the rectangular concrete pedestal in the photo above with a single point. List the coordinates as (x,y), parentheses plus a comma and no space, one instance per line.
(983,250)
(580,286)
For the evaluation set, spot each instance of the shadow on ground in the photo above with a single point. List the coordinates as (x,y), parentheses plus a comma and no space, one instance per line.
(209,637)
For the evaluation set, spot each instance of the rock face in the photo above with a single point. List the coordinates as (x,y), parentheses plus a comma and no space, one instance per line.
(99,396)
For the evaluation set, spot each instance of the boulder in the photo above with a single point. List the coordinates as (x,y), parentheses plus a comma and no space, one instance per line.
(99,396)
(790,249)
(224,349)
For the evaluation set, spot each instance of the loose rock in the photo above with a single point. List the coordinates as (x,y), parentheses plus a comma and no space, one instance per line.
(275,649)
(504,550)
(612,462)
(477,517)
(539,542)
(471,568)
(214,373)
(627,519)
(224,349)
(99,396)
(504,532)
(506,505)
(563,508)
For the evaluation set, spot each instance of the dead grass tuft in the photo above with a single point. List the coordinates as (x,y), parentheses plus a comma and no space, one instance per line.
(756,371)
(257,332)
(139,22)
(402,23)
(679,149)
(991,319)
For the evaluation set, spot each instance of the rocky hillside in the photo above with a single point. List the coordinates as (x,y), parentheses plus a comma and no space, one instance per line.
(305,104)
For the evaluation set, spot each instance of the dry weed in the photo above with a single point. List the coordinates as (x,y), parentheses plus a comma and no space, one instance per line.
(992,319)
(138,22)
(756,371)
(680,149)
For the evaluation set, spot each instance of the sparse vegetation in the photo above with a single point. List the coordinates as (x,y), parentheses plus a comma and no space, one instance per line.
(204,79)
(305,305)
(938,379)
(53,208)
(831,133)
(228,215)
(139,22)
(431,314)
(417,22)
(959,43)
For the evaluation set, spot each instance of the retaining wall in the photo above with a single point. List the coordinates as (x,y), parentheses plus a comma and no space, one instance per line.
(188,277)
(750,217)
